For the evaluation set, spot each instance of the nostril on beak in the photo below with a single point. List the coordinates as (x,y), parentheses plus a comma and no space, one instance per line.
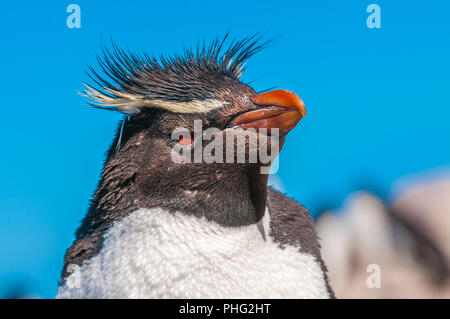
(280,98)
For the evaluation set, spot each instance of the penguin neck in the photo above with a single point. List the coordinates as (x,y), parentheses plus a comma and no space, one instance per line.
(235,195)
(233,201)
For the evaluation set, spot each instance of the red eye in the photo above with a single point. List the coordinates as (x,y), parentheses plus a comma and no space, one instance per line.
(185,141)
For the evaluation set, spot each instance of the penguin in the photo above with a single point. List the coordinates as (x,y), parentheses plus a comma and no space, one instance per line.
(160,228)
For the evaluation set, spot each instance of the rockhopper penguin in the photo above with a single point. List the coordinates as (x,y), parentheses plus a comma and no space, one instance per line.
(158,228)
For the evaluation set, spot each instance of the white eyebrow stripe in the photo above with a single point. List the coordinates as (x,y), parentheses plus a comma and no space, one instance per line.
(130,103)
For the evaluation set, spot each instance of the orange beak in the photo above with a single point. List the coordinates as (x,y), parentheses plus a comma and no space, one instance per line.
(284,109)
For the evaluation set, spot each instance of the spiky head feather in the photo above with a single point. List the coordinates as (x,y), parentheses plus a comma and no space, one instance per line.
(188,83)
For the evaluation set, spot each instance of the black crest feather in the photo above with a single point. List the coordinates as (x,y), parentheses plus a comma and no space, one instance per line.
(131,81)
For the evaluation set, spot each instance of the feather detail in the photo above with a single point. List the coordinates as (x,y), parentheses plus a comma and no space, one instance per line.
(189,83)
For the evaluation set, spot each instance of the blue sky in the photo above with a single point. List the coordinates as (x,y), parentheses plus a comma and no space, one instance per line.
(378,103)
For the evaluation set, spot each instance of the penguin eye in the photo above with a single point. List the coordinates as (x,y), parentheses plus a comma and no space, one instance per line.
(182,136)
(185,141)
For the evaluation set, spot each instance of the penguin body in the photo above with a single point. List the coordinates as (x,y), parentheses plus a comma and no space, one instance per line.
(158,228)
(166,255)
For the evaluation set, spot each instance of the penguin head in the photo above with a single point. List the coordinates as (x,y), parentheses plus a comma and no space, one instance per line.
(195,137)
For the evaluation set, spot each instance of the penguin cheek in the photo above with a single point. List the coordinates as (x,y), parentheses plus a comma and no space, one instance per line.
(250,146)
(231,146)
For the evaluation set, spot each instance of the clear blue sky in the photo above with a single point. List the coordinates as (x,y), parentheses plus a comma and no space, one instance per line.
(378,103)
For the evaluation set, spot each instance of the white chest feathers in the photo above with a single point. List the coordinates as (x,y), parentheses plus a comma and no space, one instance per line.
(154,254)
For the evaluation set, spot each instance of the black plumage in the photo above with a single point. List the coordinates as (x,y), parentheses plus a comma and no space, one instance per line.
(141,174)
(196,75)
